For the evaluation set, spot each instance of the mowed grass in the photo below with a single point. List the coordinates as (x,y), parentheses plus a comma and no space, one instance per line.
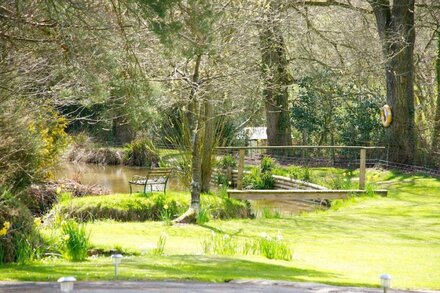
(348,245)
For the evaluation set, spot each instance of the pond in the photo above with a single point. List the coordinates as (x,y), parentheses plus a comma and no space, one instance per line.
(114,178)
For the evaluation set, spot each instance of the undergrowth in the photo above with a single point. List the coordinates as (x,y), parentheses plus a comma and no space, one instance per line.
(143,207)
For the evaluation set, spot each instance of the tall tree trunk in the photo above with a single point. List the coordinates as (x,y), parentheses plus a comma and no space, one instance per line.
(276,79)
(436,133)
(397,33)
(196,163)
(194,121)
(208,144)
(196,160)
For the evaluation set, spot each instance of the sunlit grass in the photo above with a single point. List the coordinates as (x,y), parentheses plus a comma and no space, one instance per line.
(349,244)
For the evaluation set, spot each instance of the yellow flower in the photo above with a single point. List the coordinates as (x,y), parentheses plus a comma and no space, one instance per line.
(3,231)
(37,222)
(6,225)
(165,207)
(66,237)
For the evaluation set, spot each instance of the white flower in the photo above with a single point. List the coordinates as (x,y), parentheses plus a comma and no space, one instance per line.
(225,236)
(280,237)
(263,235)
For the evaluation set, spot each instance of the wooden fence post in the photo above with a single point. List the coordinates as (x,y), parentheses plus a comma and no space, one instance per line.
(362,169)
(241,153)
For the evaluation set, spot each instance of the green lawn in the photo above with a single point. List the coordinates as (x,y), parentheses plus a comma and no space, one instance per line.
(350,245)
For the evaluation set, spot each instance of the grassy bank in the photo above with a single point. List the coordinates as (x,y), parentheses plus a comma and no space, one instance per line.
(350,244)
(142,207)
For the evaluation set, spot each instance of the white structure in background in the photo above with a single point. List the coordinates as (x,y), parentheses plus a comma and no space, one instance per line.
(255,136)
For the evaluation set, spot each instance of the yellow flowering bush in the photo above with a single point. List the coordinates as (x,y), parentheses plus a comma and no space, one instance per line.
(49,127)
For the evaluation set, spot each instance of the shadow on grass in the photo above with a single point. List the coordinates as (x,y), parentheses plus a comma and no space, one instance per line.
(183,267)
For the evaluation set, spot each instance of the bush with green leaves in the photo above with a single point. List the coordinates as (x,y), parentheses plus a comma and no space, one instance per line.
(142,152)
(267,164)
(261,178)
(227,161)
(19,239)
(75,240)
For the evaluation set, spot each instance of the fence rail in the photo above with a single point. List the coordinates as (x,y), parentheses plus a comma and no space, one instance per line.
(362,157)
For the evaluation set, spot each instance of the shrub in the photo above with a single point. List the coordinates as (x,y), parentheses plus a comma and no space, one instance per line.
(267,164)
(141,152)
(258,180)
(40,198)
(142,207)
(338,181)
(228,161)
(75,240)
(19,240)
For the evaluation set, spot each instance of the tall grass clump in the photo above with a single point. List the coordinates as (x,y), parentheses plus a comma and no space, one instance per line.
(75,240)
(274,247)
(220,244)
(202,217)
(225,244)
(160,246)
(270,213)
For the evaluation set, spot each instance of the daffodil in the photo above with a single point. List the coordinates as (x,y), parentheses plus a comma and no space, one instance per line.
(3,232)
(37,222)
(6,225)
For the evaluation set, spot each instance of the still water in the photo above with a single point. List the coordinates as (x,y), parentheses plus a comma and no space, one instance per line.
(114,178)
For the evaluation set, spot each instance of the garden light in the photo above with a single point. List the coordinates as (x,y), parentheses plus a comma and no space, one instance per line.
(116,261)
(385,282)
(66,283)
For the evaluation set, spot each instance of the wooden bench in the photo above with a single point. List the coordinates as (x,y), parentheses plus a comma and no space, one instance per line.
(155,180)
(296,194)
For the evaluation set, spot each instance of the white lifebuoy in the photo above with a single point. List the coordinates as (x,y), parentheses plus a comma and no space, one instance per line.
(386,116)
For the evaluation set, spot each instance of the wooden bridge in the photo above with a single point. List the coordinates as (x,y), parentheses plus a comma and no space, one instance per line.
(298,194)
(300,191)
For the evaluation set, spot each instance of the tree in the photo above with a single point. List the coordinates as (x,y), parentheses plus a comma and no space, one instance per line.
(436,132)
(197,39)
(276,77)
(395,25)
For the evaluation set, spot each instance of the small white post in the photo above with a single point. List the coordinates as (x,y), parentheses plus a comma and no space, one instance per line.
(116,261)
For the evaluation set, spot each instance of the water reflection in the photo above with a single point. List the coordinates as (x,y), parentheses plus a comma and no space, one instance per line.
(114,178)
